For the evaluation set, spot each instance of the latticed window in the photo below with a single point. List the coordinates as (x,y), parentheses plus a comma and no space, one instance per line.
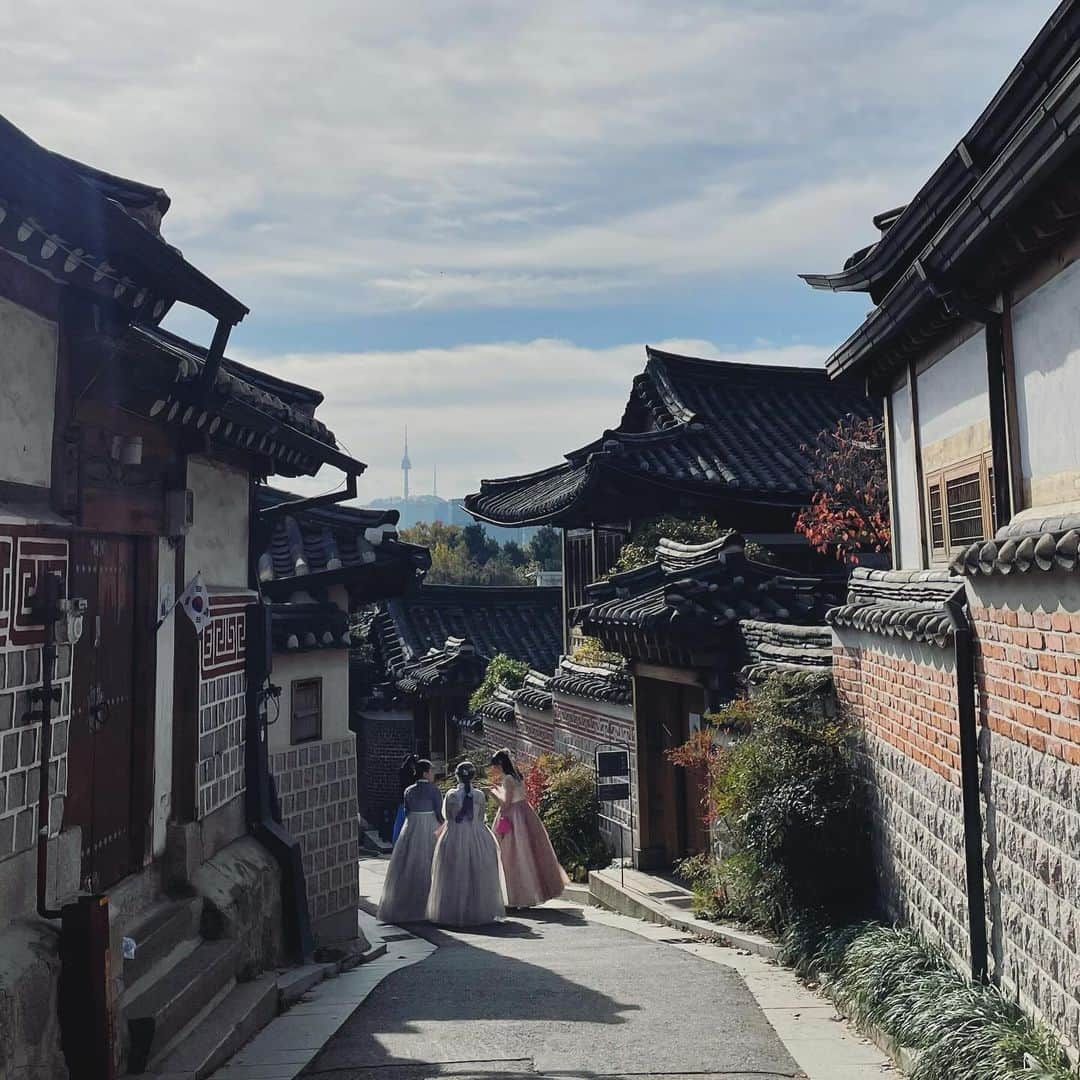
(306,710)
(964,502)
(960,506)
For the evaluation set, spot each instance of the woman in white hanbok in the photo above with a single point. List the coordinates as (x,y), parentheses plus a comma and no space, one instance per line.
(466,882)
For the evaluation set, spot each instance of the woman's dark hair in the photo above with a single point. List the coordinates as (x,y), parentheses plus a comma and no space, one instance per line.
(506,763)
(465,773)
(422,766)
(407,774)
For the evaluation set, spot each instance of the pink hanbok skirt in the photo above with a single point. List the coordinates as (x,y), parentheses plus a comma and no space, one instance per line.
(532,871)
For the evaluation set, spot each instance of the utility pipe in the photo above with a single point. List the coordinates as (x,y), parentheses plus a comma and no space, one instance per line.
(963,653)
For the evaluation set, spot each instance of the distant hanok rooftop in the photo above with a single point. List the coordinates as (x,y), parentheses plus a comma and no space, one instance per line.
(694,431)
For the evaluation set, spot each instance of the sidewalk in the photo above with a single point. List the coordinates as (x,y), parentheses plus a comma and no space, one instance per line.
(288,1043)
(824,1045)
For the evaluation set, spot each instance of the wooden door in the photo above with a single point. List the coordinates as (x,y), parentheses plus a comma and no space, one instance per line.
(103,572)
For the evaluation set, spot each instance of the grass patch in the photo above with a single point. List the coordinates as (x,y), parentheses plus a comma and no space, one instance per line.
(889,979)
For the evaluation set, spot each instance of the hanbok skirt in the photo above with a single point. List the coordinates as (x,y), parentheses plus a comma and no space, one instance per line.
(408,877)
(399,823)
(466,883)
(530,867)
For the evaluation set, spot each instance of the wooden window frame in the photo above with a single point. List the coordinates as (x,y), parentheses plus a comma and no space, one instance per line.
(315,681)
(981,465)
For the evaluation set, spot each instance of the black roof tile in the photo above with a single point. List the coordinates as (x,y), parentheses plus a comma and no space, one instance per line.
(899,603)
(705,427)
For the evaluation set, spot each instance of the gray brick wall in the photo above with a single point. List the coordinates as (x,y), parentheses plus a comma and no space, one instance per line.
(20,747)
(316,785)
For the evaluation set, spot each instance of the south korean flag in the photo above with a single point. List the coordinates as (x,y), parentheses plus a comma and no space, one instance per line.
(195,600)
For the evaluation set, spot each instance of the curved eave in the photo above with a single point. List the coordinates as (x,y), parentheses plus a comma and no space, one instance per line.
(1048,137)
(1055,48)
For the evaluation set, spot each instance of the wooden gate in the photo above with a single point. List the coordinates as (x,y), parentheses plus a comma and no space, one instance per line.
(103,571)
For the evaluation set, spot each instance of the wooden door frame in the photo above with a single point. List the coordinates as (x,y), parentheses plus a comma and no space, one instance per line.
(144,701)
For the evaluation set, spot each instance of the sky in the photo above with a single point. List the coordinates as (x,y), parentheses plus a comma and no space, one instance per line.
(471,217)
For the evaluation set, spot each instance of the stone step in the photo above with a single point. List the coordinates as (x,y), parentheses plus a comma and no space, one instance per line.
(165,926)
(170,1002)
(213,1038)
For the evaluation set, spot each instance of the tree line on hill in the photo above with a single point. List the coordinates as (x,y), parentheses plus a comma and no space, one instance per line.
(466,555)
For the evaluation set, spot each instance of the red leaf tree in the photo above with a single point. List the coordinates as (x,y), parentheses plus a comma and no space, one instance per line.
(848,514)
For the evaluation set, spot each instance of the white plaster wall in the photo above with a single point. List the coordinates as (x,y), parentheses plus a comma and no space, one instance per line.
(953,394)
(217,545)
(27,395)
(332,666)
(163,702)
(1046,348)
(906,490)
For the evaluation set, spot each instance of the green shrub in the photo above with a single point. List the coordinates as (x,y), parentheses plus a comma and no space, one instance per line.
(888,978)
(501,671)
(569,810)
(640,548)
(788,797)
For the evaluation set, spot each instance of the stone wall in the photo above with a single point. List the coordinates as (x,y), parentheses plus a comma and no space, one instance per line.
(904,696)
(1028,652)
(580,728)
(316,784)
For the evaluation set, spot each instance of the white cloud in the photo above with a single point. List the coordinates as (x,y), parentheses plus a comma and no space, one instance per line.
(480,411)
(339,156)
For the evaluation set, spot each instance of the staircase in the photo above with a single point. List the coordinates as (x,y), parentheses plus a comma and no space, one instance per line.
(185,1011)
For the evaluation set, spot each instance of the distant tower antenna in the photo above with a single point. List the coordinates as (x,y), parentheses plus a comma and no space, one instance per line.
(435,481)
(406,465)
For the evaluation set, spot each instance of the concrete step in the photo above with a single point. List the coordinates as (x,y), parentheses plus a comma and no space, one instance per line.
(372,841)
(156,1015)
(165,926)
(213,1038)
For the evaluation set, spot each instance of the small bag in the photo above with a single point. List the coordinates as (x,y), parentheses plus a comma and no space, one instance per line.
(503,826)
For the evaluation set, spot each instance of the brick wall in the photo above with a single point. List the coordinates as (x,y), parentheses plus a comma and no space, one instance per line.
(1028,650)
(382,743)
(904,696)
(529,736)
(22,557)
(580,728)
(316,784)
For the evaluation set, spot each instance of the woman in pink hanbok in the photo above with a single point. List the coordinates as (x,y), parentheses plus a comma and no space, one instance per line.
(530,867)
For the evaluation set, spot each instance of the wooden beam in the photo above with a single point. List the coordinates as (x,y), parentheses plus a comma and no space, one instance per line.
(999,423)
(920,483)
(1012,422)
(890,462)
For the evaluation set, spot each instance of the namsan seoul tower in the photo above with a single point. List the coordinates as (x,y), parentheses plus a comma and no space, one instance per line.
(406,465)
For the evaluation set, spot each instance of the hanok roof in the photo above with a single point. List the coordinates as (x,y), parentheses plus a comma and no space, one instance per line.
(315,548)
(1013,204)
(912,604)
(306,626)
(86,228)
(456,665)
(523,623)
(600,683)
(907,229)
(1041,544)
(785,648)
(685,607)
(709,429)
(245,410)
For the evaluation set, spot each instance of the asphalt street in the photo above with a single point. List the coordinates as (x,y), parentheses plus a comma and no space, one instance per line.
(548,994)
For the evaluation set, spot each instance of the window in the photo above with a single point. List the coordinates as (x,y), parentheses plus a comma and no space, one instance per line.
(960,506)
(306,710)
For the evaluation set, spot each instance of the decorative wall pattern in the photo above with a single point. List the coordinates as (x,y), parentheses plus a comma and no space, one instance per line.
(316,784)
(222,701)
(22,558)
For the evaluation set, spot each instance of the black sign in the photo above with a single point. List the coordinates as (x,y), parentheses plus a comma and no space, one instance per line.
(613,792)
(612,763)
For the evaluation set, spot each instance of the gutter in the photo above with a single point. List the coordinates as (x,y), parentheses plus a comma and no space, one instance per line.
(963,652)
(1047,137)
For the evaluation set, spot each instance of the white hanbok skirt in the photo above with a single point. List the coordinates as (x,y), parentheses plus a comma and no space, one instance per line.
(408,877)
(466,878)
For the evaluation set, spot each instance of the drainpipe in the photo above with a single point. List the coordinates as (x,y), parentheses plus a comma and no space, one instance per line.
(47,603)
(963,651)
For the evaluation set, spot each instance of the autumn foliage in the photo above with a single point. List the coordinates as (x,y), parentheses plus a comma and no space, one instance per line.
(849,512)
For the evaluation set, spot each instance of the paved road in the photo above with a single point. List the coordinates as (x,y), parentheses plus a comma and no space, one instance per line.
(547,994)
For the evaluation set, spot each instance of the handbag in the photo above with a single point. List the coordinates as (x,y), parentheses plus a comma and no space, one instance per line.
(503,826)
